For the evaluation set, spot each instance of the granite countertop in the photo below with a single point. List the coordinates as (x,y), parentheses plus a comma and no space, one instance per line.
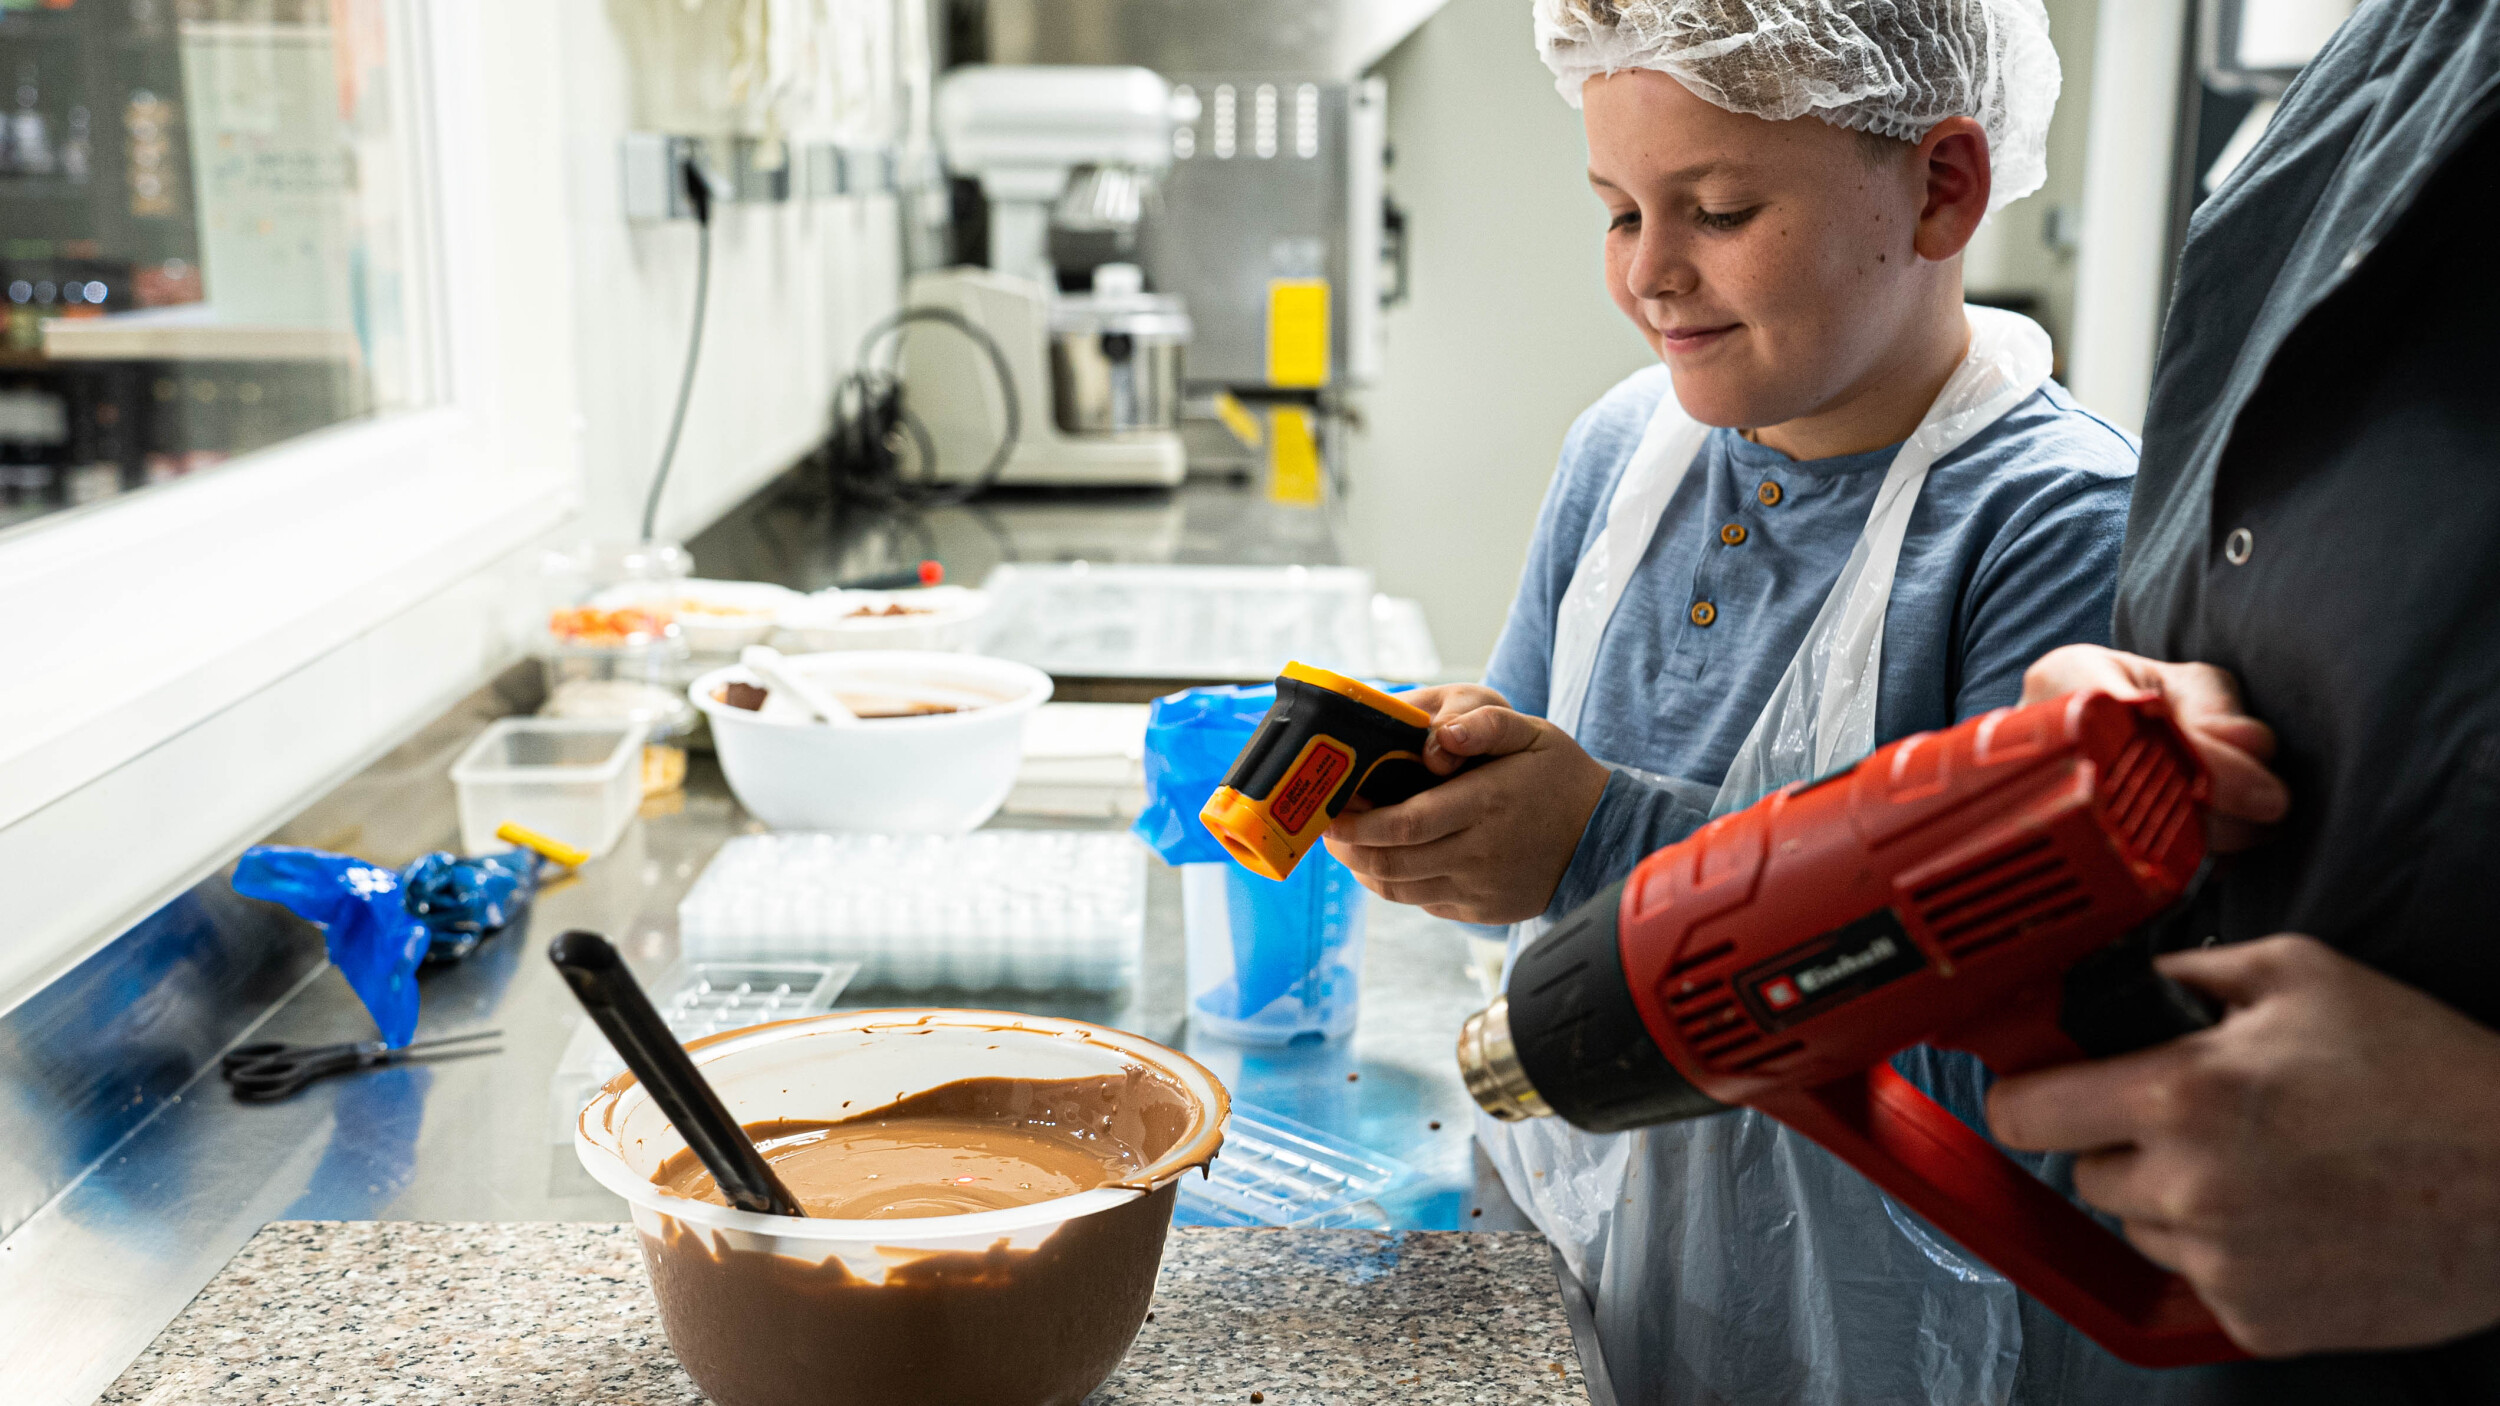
(371,1311)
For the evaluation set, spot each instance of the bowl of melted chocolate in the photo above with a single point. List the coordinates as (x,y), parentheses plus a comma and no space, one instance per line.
(987,1200)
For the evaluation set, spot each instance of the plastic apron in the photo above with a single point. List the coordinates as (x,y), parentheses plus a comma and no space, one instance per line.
(1717,1258)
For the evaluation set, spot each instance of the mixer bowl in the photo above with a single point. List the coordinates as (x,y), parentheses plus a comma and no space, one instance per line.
(1031,1306)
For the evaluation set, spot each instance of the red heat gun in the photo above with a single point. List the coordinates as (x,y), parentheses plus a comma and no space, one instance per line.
(1982,888)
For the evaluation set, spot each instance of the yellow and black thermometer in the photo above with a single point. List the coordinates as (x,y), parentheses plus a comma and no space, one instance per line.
(1326,740)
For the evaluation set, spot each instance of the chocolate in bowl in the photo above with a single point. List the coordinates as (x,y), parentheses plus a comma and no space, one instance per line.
(1031,1303)
(928,773)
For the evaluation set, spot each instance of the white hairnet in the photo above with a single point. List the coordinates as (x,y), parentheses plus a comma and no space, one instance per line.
(1894,67)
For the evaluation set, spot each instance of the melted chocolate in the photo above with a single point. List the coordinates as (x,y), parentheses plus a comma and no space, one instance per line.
(973,1145)
(999,1327)
(1039,1327)
(865,706)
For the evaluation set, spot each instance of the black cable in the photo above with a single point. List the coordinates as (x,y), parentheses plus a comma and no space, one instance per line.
(999,535)
(869,414)
(921,439)
(699,195)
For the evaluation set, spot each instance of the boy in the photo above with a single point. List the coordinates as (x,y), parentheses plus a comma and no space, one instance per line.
(1831,433)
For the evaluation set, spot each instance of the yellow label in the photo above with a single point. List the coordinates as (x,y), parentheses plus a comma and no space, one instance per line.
(1237,418)
(1293,477)
(1297,332)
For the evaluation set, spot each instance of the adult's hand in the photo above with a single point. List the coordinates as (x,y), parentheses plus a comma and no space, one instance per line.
(2323,1165)
(1489,844)
(2206,703)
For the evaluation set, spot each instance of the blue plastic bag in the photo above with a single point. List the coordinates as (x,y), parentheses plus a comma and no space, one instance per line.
(374,941)
(462,900)
(1289,939)
(1192,740)
(381,926)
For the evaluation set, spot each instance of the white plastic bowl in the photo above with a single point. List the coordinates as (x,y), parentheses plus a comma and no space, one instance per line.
(824,621)
(739,1351)
(943,774)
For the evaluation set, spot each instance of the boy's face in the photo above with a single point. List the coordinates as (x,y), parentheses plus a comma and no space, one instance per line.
(1770,264)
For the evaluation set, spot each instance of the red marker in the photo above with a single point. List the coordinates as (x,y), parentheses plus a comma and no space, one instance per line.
(927,573)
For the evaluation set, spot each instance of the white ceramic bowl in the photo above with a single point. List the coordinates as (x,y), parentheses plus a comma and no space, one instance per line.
(942,774)
(826,620)
(742,1344)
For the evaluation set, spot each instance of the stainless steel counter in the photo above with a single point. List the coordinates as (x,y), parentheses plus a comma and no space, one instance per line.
(88,1280)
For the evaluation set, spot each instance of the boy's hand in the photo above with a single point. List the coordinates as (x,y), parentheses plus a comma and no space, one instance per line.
(1447,702)
(2205,701)
(1487,846)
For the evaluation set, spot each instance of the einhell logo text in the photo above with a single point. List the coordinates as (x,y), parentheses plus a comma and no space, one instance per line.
(1841,968)
(1830,969)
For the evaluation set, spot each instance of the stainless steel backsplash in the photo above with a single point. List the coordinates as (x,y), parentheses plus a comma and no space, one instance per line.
(96,1053)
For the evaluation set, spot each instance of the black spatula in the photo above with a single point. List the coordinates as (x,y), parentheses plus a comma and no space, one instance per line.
(624,1014)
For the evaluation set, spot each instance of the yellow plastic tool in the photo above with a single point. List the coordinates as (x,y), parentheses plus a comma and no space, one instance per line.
(554,849)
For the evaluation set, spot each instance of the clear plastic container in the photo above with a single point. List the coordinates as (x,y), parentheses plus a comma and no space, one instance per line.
(646,686)
(1274,963)
(575,780)
(1276,1171)
(1083,619)
(705,1259)
(608,634)
(696,1000)
(1026,910)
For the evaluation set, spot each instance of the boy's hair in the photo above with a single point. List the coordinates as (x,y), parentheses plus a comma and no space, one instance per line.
(1891,68)
(1874,148)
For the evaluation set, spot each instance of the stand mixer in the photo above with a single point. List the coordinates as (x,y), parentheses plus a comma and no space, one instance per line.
(1095,376)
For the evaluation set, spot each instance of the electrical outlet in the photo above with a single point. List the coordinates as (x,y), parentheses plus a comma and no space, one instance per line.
(759,171)
(746,170)
(650,189)
(2061,229)
(820,171)
(867,170)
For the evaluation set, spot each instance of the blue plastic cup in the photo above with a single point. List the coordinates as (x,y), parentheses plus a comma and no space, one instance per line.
(1274,963)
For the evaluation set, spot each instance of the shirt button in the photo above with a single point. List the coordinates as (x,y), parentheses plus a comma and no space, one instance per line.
(1703,612)
(2239,546)
(1768,495)
(1733,534)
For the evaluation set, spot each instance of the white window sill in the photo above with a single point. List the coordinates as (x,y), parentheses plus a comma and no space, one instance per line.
(135,624)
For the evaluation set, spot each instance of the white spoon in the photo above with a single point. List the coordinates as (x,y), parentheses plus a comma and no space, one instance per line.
(772,666)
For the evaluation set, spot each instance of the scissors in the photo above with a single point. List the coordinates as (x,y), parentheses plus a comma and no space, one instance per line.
(266,1071)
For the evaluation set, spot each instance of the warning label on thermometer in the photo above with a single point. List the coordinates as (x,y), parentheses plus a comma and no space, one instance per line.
(1315,777)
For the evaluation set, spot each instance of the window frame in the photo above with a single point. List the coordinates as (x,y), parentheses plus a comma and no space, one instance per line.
(141,621)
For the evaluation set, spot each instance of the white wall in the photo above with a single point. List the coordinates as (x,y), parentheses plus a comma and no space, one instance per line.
(2124,268)
(793,285)
(1507,337)
(2012,252)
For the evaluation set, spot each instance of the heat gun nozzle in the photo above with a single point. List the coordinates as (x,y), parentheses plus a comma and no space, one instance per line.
(1489,1063)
